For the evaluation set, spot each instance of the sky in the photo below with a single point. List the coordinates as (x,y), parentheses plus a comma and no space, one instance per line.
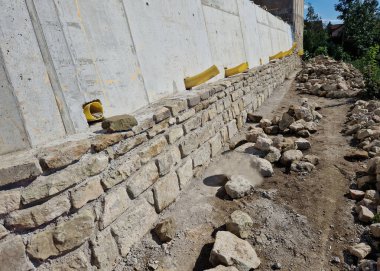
(325,9)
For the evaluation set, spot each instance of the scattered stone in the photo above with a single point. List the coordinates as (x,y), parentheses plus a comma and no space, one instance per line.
(263,143)
(273,155)
(263,166)
(265,123)
(119,123)
(290,156)
(166,230)
(356,194)
(360,250)
(286,121)
(276,266)
(240,224)
(335,260)
(229,250)
(223,268)
(238,186)
(356,155)
(313,159)
(254,117)
(365,214)
(375,230)
(3,232)
(367,265)
(254,134)
(303,133)
(302,144)
(301,166)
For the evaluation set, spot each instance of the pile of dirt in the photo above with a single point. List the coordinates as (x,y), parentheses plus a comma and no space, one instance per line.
(326,77)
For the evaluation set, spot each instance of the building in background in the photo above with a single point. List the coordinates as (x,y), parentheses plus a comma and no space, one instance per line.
(291,11)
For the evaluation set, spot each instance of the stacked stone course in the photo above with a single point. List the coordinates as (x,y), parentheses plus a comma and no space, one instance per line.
(84,203)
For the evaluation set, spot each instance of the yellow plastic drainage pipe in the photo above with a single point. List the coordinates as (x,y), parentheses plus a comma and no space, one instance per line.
(93,111)
(201,78)
(236,70)
(300,52)
(276,56)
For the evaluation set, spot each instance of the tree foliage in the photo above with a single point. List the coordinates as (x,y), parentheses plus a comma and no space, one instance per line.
(361,25)
(315,36)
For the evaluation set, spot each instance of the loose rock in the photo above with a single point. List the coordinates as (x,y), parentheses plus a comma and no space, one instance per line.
(240,224)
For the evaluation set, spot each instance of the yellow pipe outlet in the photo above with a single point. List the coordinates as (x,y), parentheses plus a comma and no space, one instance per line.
(276,56)
(236,70)
(93,111)
(300,52)
(201,78)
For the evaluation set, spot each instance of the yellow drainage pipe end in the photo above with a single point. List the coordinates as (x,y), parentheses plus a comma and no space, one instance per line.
(236,70)
(93,111)
(201,78)
(276,56)
(300,52)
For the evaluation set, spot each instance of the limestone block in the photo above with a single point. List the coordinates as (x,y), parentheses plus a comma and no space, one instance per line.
(185,173)
(174,134)
(63,154)
(232,129)
(152,149)
(202,155)
(119,123)
(167,160)
(128,165)
(9,201)
(141,180)
(158,128)
(133,225)
(40,214)
(74,232)
(73,261)
(192,124)
(216,145)
(114,204)
(186,115)
(104,250)
(230,250)
(130,143)
(165,191)
(90,190)
(12,255)
(45,186)
(102,142)
(240,224)
(41,245)
(188,144)
(14,171)
(175,105)
(161,114)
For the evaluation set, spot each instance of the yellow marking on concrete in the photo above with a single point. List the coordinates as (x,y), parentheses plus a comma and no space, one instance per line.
(236,70)
(202,77)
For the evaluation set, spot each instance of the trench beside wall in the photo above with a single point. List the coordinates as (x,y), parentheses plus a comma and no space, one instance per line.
(83,204)
(57,55)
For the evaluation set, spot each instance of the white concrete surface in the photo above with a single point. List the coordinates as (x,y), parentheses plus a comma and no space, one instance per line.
(58,55)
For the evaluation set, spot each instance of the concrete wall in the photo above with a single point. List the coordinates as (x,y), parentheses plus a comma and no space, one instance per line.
(58,55)
(87,202)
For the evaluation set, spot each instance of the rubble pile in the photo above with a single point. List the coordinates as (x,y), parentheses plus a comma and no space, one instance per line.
(325,77)
(282,139)
(363,123)
(366,194)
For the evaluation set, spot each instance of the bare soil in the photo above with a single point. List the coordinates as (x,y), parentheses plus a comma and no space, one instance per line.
(300,221)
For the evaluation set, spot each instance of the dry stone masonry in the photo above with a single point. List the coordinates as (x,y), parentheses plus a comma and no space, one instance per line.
(84,203)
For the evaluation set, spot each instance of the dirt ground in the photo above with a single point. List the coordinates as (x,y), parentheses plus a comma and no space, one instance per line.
(300,221)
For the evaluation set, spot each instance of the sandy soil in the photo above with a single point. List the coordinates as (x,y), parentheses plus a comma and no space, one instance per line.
(300,221)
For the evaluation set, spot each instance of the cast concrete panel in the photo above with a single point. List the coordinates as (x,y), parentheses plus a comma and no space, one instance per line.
(171,42)
(225,38)
(100,41)
(27,74)
(229,6)
(250,32)
(12,133)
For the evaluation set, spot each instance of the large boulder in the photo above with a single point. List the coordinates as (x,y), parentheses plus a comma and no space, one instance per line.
(229,250)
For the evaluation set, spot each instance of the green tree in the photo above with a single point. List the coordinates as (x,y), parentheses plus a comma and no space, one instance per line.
(361,25)
(315,36)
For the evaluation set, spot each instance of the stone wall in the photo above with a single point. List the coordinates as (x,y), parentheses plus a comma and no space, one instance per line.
(84,203)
